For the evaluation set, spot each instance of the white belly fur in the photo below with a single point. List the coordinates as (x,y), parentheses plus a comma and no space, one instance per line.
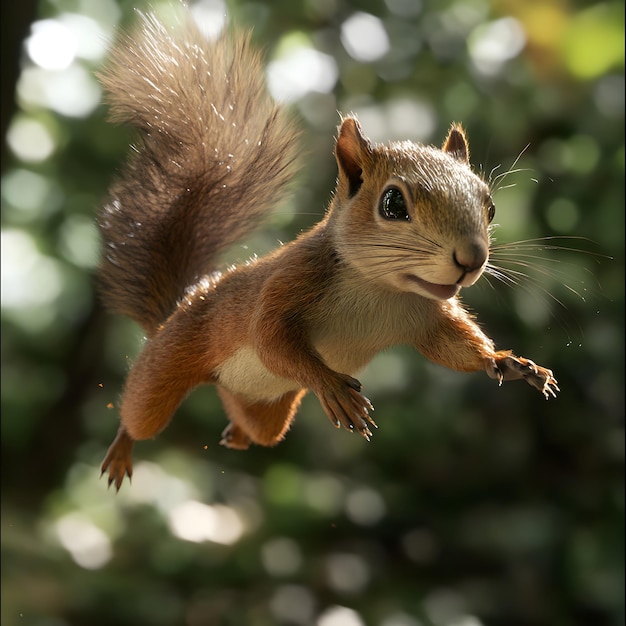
(244,374)
(346,342)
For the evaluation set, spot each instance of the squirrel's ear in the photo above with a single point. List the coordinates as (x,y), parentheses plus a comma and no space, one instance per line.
(351,150)
(456,144)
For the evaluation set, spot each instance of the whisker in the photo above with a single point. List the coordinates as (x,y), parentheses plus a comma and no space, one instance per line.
(528,285)
(490,177)
(501,275)
(501,188)
(511,171)
(522,279)
(540,243)
(493,180)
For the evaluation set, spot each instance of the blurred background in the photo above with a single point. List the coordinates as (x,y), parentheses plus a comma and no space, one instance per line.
(474,505)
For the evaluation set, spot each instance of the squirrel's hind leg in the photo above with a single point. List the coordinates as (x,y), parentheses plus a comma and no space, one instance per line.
(118,461)
(263,423)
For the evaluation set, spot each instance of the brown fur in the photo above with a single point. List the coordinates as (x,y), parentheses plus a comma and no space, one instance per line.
(207,128)
(315,311)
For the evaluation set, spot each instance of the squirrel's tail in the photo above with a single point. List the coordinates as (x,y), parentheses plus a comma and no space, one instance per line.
(215,153)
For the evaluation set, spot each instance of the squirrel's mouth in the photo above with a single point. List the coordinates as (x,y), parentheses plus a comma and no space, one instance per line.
(438,292)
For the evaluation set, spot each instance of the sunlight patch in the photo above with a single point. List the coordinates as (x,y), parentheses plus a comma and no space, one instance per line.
(87,544)
(340,616)
(197,522)
(364,37)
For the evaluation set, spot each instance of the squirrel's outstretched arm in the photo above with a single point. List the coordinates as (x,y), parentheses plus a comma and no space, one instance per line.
(455,341)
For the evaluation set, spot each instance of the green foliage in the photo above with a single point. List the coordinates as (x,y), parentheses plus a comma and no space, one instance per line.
(473,504)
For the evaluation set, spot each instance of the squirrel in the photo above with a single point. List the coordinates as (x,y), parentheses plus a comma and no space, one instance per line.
(407,227)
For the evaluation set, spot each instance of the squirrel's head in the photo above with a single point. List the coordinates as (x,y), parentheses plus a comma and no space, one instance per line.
(413,217)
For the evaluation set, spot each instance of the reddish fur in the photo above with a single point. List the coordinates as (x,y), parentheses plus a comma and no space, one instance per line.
(261,423)
(307,316)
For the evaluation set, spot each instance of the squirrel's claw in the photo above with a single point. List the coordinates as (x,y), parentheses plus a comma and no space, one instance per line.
(116,473)
(118,460)
(508,367)
(346,406)
(549,386)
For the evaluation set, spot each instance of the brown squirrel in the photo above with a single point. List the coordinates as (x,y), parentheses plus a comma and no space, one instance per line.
(408,226)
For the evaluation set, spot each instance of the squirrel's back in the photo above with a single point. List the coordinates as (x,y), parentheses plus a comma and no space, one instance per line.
(215,154)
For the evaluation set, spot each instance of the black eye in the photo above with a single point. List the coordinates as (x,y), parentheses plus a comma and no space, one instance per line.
(392,205)
(491,211)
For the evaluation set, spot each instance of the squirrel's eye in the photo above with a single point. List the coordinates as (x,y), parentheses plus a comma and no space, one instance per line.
(491,211)
(392,205)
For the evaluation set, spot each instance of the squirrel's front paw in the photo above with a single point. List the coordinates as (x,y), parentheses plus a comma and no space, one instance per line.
(346,406)
(509,367)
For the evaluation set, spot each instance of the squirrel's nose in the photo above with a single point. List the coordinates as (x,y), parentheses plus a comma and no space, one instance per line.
(470,256)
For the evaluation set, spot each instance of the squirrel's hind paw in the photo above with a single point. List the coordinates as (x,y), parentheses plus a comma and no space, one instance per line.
(508,367)
(235,438)
(118,460)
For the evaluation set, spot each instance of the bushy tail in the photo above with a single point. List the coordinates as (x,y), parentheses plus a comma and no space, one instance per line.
(215,153)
